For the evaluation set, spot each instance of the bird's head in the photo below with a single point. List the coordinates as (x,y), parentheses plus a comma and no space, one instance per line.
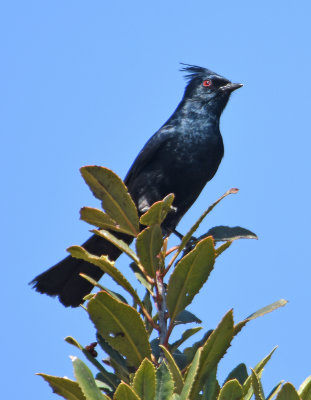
(207,87)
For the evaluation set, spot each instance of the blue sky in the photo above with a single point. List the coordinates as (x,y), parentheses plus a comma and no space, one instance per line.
(88,83)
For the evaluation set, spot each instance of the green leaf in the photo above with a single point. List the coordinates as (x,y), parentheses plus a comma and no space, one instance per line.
(239,373)
(186,335)
(191,375)
(288,392)
(276,390)
(232,390)
(227,233)
(211,387)
(144,382)
(189,275)
(267,309)
(121,326)
(239,326)
(86,380)
(116,201)
(141,277)
(222,248)
(65,387)
(189,352)
(259,313)
(114,355)
(156,351)
(148,246)
(213,350)
(247,386)
(116,295)
(125,392)
(175,371)
(148,306)
(257,387)
(147,302)
(305,389)
(110,379)
(189,234)
(180,359)
(98,218)
(186,317)
(120,244)
(158,211)
(102,385)
(165,384)
(105,265)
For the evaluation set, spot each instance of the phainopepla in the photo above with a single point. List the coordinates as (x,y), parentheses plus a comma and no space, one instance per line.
(180,158)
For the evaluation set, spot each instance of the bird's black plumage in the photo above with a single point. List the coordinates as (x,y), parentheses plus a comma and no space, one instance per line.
(180,158)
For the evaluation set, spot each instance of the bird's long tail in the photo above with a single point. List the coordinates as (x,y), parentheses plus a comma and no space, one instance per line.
(63,279)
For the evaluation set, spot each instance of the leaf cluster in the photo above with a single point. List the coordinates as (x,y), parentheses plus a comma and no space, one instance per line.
(141,360)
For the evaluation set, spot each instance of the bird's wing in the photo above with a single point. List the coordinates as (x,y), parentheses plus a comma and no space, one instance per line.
(148,152)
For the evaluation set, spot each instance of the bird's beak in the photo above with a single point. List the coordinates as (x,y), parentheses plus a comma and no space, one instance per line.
(230,87)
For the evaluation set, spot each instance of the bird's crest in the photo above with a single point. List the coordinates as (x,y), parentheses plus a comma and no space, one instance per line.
(194,71)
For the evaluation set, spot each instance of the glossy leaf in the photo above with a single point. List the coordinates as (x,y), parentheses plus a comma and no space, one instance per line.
(232,390)
(148,246)
(116,295)
(227,233)
(158,211)
(305,389)
(189,276)
(86,380)
(287,392)
(100,219)
(259,313)
(147,302)
(144,382)
(141,277)
(115,357)
(120,244)
(105,265)
(64,387)
(247,386)
(110,379)
(116,201)
(156,351)
(211,386)
(268,309)
(257,387)
(220,249)
(191,376)
(121,326)
(175,371)
(165,383)
(186,317)
(189,352)
(213,350)
(239,373)
(189,234)
(185,335)
(276,390)
(101,384)
(125,392)
(180,359)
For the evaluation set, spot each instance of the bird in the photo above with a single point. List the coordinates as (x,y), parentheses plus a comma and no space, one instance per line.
(180,158)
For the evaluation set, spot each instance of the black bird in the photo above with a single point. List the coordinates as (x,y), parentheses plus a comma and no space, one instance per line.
(180,158)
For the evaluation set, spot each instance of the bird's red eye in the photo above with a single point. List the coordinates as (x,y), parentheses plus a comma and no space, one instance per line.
(207,83)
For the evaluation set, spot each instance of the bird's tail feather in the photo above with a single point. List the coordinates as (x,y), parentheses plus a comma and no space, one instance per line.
(63,279)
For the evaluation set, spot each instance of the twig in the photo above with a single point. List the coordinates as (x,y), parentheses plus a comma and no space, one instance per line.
(161,305)
(149,318)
